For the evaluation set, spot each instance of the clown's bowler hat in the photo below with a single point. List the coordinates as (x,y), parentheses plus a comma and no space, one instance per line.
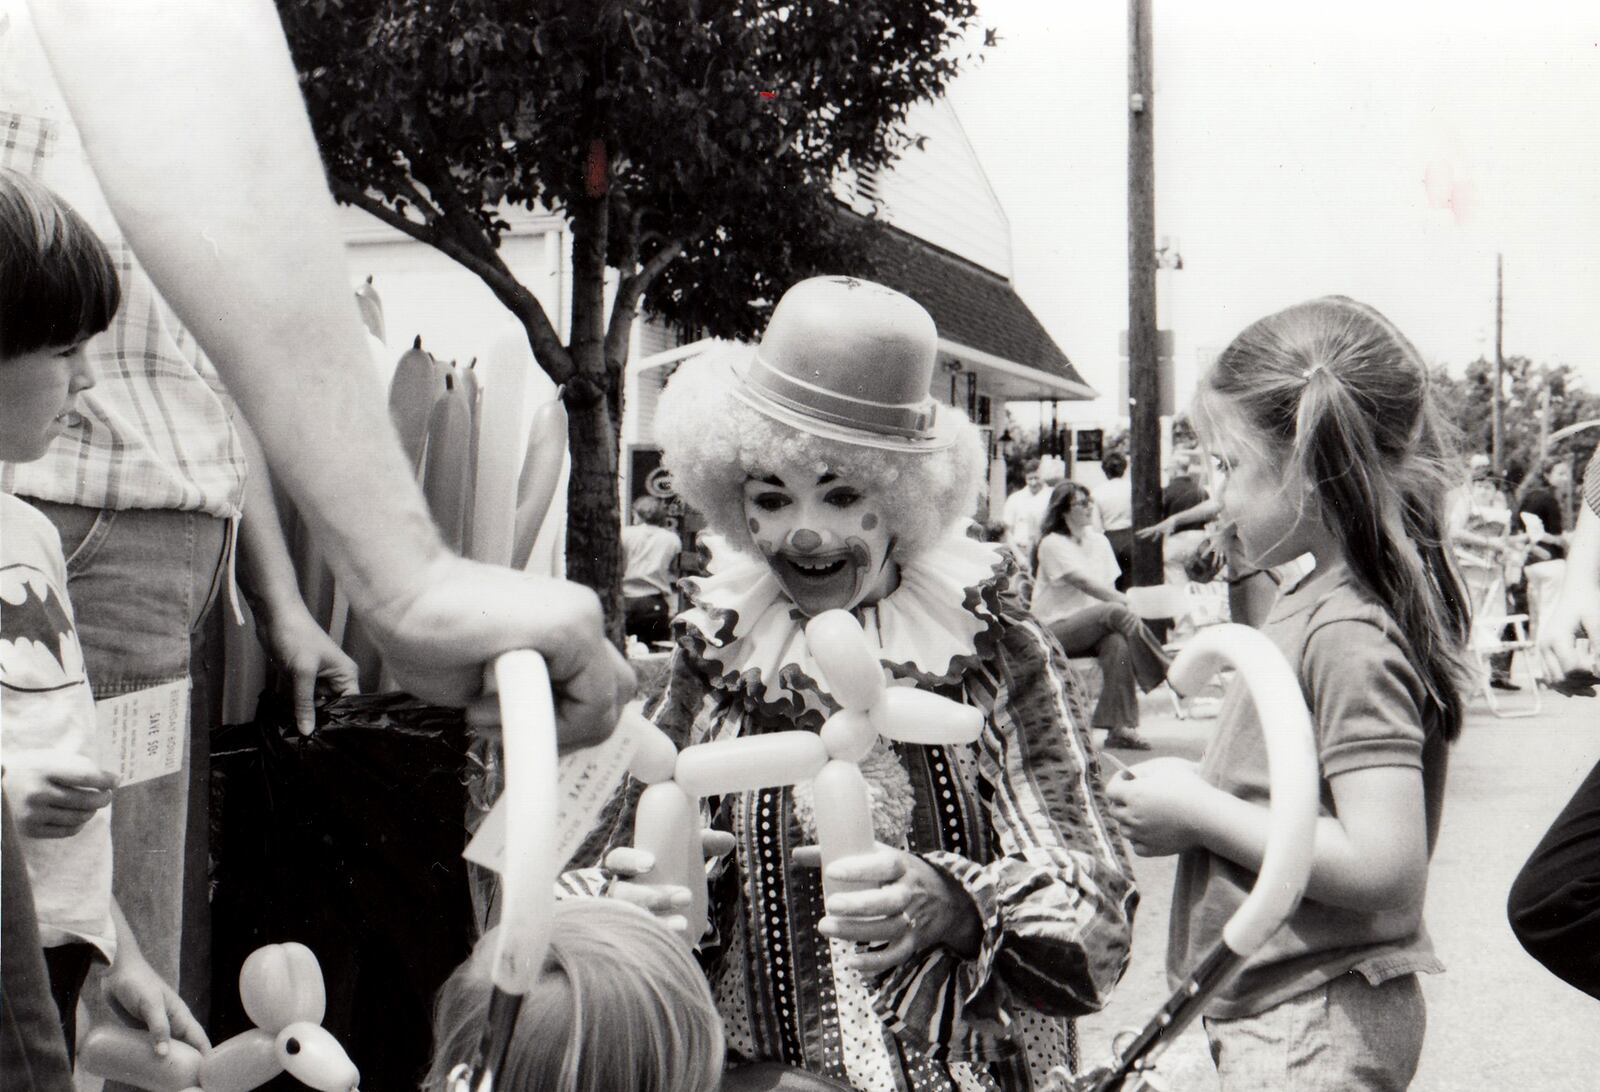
(849,360)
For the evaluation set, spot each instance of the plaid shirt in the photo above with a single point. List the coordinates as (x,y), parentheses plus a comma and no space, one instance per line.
(157,427)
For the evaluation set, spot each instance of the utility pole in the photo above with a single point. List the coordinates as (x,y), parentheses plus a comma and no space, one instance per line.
(1144,390)
(1499,363)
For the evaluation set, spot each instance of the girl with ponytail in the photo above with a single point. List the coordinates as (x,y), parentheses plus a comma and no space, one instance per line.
(1324,432)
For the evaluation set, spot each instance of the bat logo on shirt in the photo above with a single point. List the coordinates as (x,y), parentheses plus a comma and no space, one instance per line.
(35,632)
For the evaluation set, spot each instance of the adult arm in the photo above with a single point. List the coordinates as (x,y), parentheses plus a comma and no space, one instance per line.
(193,121)
(1199,513)
(293,638)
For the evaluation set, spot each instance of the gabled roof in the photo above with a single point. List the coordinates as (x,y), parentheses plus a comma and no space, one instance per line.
(971,306)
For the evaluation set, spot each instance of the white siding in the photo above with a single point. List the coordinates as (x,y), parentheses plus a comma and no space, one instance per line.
(426,293)
(939,192)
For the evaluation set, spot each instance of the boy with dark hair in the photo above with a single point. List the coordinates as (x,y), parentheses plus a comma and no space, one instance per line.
(58,287)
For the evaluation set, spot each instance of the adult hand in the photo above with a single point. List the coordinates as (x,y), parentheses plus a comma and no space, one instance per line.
(54,793)
(1155,530)
(665,901)
(1156,803)
(912,907)
(464,614)
(308,655)
(133,986)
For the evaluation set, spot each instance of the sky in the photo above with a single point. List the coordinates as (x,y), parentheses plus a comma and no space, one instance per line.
(1382,151)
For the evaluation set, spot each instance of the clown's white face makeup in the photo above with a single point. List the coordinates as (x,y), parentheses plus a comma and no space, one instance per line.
(824,538)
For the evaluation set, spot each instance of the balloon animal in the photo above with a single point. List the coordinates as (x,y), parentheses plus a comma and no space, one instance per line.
(283,993)
(667,822)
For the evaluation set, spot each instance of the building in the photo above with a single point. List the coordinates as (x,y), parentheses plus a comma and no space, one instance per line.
(946,243)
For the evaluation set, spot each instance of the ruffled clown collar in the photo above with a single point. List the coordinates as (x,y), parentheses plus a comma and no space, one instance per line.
(940,623)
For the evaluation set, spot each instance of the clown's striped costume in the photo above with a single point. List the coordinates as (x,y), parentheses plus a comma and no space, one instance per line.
(1017,818)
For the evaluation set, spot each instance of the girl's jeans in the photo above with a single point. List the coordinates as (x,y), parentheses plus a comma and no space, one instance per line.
(1345,1036)
(142,583)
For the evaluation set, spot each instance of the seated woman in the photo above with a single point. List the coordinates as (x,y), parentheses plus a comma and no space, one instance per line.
(1075,597)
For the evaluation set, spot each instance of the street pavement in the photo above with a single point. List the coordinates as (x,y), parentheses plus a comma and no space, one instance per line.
(1496,1019)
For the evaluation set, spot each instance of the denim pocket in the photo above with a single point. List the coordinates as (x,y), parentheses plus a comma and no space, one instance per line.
(82,552)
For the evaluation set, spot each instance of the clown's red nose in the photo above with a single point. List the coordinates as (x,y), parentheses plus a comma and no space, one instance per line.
(805,541)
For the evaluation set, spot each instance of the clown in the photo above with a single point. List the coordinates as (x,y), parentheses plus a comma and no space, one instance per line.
(998,901)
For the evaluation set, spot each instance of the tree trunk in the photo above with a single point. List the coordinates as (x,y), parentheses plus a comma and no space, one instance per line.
(594,522)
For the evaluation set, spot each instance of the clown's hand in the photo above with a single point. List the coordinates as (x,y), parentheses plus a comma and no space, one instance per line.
(911,907)
(625,864)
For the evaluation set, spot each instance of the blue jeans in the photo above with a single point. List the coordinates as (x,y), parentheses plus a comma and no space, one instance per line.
(1345,1036)
(142,583)
(1129,656)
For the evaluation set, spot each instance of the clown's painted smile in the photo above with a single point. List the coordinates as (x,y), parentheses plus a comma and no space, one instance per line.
(825,542)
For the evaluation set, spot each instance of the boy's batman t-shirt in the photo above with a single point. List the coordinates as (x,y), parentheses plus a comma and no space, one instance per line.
(46,706)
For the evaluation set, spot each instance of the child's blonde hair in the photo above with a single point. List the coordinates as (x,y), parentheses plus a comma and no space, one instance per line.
(619,1004)
(1339,397)
(712,441)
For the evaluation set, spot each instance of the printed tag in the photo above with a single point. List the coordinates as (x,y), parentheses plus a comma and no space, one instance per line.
(144,733)
(586,781)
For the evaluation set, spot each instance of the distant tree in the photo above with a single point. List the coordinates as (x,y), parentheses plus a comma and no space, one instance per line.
(691,145)
(1540,399)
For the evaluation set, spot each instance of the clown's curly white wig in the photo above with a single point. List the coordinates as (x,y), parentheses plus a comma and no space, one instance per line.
(712,441)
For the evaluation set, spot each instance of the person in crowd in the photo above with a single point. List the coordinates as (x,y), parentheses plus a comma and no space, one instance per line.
(1554,905)
(1024,509)
(1546,502)
(619,1003)
(58,288)
(994,858)
(1489,558)
(1315,413)
(1076,598)
(650,552)
(1114,501)
(1184,520)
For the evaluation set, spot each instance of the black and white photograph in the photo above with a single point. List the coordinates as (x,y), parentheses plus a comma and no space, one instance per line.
(789,545)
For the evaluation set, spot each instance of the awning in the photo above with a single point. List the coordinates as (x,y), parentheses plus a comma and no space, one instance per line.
(982,321)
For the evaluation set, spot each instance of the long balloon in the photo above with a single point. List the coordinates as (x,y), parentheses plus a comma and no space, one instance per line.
(528,737)
(1291,763)
(541,476)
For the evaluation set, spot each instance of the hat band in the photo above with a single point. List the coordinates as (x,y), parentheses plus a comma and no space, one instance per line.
(912,420)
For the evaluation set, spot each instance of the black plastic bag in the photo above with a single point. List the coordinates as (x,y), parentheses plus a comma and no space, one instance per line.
(348,841)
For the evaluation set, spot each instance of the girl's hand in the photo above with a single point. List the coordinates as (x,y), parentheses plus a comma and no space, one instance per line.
(913,907)
(54,793)
(134,988)
(665,901)
(1157,803)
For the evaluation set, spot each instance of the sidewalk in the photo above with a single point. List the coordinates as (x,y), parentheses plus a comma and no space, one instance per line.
(1496,1019)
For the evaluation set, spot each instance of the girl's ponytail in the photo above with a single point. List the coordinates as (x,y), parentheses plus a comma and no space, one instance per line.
(1344,396)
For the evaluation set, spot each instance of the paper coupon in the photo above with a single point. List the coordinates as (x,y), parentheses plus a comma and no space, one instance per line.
(144,733)
(586,781)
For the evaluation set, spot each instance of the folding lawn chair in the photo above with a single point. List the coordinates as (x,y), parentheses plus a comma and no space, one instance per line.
(1487,639)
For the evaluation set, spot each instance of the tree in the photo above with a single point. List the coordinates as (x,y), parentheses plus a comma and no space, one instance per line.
(691,145)
(1540,399)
